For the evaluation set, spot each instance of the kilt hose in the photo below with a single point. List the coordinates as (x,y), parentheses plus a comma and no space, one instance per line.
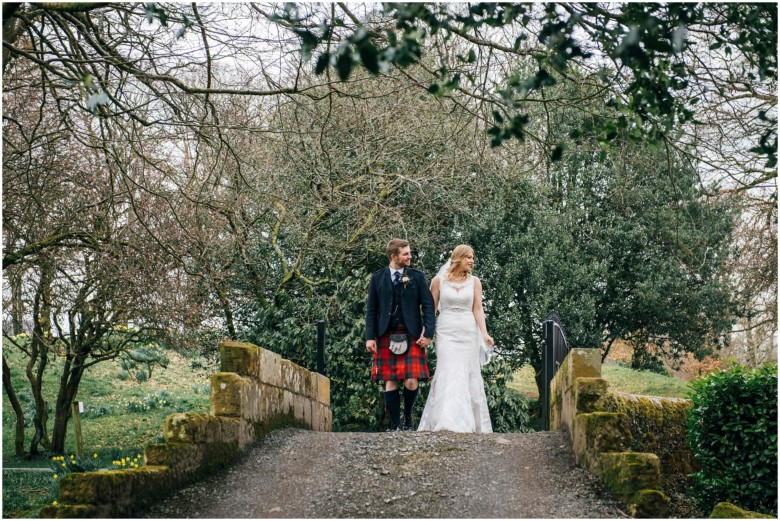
(387,366)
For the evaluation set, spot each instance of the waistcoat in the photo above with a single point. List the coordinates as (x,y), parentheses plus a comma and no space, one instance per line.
(397,317)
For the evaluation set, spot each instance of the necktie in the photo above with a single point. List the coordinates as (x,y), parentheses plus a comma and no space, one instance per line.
(396,278)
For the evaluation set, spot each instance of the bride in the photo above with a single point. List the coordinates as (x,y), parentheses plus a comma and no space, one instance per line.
(456,401)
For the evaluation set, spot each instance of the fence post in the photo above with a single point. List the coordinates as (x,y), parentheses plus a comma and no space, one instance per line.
(321,347)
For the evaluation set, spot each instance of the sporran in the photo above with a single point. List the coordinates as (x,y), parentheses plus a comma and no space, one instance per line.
(399,343)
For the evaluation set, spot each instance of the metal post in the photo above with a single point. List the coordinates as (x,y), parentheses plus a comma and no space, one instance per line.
(321,347)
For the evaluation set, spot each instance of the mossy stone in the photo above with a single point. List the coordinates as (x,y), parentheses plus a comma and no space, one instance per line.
(238,357)
(599,432)
(589,393)
(181,458)
(626,473)
(658,425)
(227,393)
(649,503)
(724,510)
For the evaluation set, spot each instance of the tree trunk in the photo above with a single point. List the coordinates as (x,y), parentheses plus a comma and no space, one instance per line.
(69,386)
(39,354)
(12,27)
(227,310)
(17,304)
(17,407)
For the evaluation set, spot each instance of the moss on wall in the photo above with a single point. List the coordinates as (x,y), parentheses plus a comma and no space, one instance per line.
(658,425)
(599,432)
(726,510)
(649,504)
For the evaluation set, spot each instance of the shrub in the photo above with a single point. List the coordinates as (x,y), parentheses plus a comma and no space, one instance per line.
(123,375)
(159,400)
(509,409)
(732,432)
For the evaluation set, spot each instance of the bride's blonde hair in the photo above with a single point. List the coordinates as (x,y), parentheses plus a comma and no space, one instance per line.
(457,256)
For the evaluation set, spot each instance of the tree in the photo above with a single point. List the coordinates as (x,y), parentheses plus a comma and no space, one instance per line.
(623,245)
(85,262)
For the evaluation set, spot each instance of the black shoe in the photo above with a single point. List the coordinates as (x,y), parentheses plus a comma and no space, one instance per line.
(408,425)
(394,429)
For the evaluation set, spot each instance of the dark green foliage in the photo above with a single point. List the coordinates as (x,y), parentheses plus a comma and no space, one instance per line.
(509,410)
(289,328)
(644,361)
(621,243)
(732,431)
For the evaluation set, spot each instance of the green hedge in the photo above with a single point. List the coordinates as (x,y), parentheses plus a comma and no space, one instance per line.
(732,431)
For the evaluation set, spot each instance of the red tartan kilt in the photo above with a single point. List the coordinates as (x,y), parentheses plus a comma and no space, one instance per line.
(387,366)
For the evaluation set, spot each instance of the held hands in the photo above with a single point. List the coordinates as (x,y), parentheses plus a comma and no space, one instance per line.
(423,342)
(371,346)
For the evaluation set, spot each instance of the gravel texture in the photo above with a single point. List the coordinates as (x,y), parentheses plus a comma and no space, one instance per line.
(295,473)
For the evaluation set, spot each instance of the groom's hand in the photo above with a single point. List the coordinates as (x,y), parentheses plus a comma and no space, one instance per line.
(423,342)
(371,346)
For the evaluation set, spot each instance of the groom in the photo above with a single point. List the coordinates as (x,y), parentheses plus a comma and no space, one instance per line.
(396,296)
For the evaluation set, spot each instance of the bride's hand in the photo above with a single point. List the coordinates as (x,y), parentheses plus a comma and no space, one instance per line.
(489,340)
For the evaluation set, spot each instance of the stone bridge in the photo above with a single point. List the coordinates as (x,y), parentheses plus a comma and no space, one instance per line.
(267,450)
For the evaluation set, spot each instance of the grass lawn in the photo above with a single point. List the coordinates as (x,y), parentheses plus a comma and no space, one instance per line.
(620,378)
(121,417)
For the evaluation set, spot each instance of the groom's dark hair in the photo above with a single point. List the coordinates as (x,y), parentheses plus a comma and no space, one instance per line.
(394,247)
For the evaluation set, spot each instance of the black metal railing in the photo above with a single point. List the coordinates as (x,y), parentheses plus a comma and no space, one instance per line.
(553,353)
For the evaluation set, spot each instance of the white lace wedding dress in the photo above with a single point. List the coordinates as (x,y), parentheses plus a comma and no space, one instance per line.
(456,401)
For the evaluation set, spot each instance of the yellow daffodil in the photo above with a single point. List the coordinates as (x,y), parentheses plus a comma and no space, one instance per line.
(95,455)
(55,476)
(54,502)
(63,465)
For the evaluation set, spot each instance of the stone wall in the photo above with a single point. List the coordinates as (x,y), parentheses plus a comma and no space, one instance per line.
(256,391)
(602,438)
(658,425)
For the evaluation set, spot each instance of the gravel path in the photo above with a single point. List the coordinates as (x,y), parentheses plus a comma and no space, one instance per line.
(295,473)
